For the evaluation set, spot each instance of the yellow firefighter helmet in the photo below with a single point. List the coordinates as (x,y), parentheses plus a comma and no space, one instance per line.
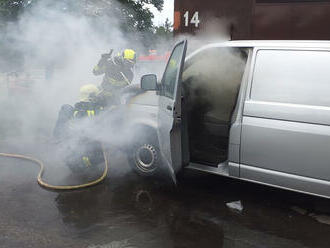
(88,92)
(130,55)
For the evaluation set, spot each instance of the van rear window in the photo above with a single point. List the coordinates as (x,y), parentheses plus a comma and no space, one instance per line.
(287,76)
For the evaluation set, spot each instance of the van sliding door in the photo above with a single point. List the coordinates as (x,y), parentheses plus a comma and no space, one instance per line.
(286,121)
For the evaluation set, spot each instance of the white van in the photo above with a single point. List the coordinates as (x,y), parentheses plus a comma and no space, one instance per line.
(253,110)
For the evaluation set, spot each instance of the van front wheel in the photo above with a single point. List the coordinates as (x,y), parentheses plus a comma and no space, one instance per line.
(144,158)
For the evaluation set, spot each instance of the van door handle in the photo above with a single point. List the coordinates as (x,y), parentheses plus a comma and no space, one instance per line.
(169,107)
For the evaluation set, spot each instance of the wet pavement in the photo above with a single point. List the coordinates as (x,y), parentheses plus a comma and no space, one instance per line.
(127,211)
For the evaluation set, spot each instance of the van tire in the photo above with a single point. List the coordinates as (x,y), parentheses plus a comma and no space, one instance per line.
(144,158)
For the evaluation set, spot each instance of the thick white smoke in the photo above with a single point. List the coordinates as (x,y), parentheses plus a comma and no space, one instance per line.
(66,45)
(214,77)
(60,49)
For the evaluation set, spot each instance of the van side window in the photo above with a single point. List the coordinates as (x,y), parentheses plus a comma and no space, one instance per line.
(298,77)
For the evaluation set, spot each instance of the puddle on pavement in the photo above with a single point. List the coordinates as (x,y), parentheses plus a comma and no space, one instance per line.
(126,211)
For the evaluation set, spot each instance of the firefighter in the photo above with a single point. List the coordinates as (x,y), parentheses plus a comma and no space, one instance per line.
(88,153)
(118,73)
(86,107)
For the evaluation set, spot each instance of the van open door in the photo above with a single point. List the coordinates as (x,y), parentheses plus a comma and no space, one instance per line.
(169,117)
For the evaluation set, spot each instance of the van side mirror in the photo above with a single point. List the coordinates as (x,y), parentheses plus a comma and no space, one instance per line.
(149,82)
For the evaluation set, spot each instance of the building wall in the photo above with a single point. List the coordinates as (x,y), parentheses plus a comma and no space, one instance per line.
(306,20)
(233,15)
(256,19)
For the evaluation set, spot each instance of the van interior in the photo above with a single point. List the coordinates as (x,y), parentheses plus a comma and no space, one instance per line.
(210,84)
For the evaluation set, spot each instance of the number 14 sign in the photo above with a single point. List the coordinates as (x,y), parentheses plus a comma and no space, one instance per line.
(194,19)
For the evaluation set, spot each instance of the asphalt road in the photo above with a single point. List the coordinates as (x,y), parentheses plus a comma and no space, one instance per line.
(126,211)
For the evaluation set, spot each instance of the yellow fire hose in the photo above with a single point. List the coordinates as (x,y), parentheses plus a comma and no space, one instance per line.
(59,187)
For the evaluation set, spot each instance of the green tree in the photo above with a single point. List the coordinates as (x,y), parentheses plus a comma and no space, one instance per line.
(139,17)
(164,31)
(133,14)
(9,9)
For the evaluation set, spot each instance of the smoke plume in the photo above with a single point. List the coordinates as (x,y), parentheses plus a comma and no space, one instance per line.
(60,49)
